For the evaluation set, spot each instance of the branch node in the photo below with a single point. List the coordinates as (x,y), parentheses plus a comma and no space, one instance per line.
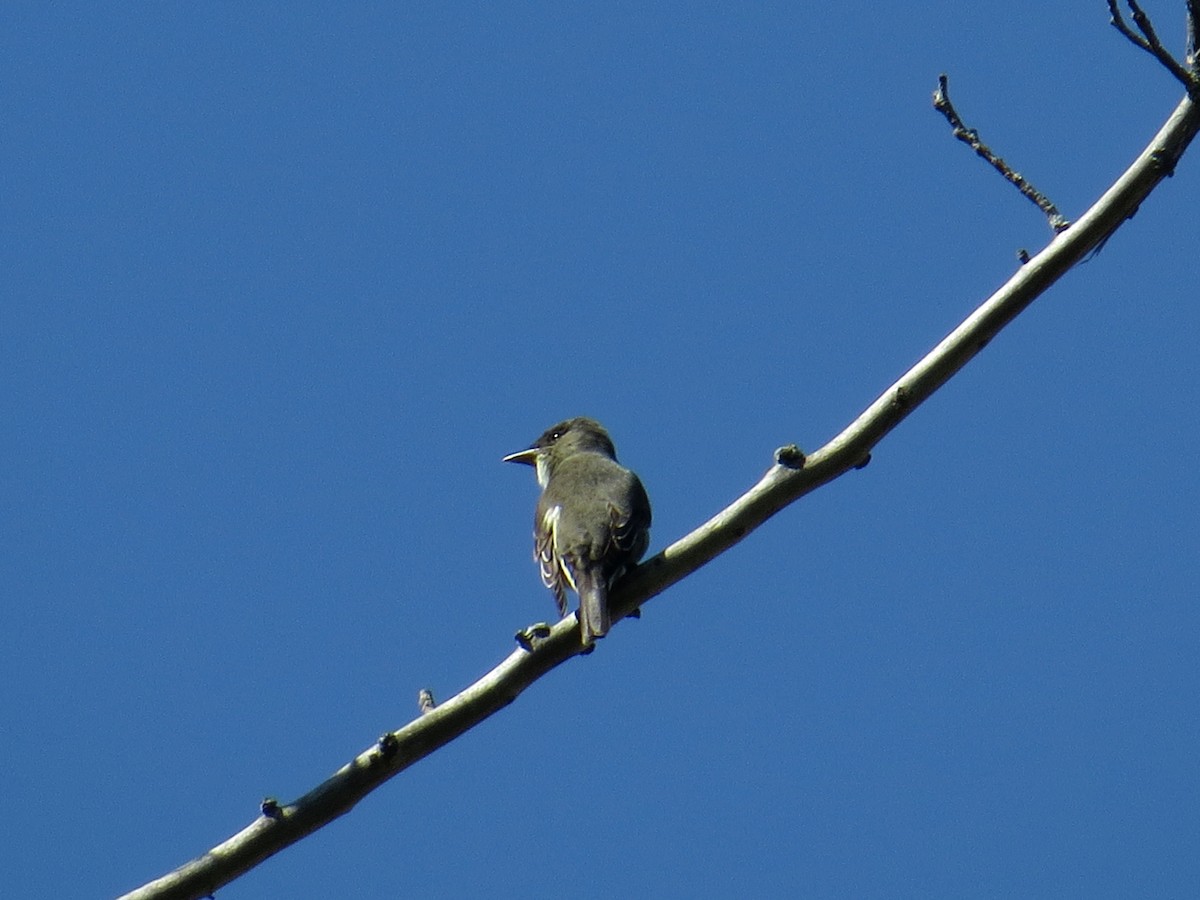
(530,637)
(1023,255)
(1164,162)
(864,462)
(388,745)
(900,398)
(790,457)
(270,808)
(969,136)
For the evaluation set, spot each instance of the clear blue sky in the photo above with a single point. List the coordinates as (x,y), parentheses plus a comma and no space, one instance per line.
(283,282)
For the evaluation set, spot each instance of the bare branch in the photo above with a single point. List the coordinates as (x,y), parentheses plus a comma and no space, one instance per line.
(792,476)
(970,137)
(782,485)
(1148,40)
(1193,39)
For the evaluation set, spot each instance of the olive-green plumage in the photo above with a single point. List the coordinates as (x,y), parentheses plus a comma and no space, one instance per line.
(592,521)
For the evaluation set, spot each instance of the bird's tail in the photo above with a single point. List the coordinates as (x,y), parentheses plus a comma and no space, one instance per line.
(594,620)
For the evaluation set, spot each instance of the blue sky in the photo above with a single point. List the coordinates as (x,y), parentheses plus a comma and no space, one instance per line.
(285,281)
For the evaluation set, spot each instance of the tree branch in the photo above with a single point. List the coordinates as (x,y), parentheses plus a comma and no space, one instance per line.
(791,477)
(1193,25)
(970,137)
(1148,40)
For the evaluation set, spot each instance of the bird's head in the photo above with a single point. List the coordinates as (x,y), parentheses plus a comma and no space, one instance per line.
(578,435)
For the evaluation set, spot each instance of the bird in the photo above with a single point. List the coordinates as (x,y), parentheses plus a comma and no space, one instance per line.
(592,522)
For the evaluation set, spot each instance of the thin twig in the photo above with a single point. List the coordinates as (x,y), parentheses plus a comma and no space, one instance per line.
(970,137)
(1148,40)
(1193,38)
(1118,22)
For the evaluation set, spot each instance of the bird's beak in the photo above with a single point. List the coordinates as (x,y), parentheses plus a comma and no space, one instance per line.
(528,457)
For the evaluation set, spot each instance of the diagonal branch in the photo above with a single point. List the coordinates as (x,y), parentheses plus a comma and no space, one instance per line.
(970,137)
(793,476)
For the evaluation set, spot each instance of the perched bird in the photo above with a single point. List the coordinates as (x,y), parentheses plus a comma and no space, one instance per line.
(592,521)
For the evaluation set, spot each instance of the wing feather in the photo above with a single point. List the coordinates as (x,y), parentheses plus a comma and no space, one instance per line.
(555,573)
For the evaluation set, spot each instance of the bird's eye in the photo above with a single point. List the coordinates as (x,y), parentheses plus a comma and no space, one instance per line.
(556,435)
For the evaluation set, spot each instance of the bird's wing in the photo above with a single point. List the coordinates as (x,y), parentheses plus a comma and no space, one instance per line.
(629,531)
(555,573)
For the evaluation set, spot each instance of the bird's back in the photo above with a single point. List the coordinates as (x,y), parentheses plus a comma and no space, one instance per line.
(605,512)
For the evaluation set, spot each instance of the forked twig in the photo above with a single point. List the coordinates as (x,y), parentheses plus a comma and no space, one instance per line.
(1148,40)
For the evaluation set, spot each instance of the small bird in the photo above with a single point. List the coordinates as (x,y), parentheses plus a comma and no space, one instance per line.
(592,521)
